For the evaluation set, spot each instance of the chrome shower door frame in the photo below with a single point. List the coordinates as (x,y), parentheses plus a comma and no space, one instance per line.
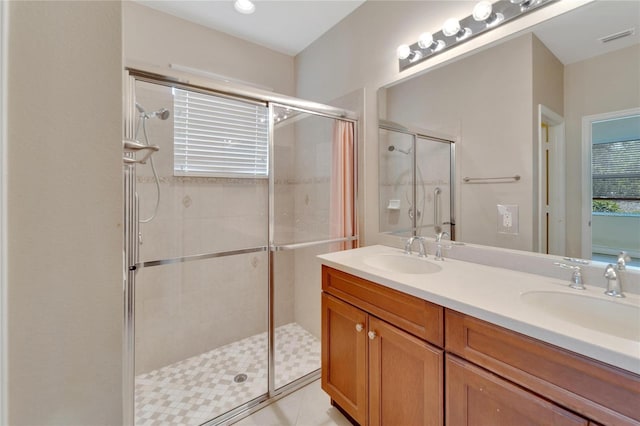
(131,226)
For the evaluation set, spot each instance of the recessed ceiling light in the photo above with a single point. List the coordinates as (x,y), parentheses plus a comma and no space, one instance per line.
(244,6)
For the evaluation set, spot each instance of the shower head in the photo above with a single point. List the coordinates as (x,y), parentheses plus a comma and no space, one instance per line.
(393,148)
(162,113)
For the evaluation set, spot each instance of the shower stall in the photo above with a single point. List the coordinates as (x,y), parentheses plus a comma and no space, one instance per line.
(230,194)
(416,175)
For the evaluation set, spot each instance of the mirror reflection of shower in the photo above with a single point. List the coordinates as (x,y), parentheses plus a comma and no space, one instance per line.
(162,114)
(394,148)
(416,171)
(420,201)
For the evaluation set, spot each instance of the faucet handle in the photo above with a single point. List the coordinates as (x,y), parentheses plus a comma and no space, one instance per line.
(576,277)
(439,247)
(623,258)
(441,234)
(576,260)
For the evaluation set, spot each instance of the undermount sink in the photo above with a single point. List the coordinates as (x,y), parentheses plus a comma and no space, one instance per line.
(402,263)
(607,316)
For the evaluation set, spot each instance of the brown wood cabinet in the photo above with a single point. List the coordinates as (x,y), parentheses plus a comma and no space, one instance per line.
(344,356)
(405,378)
(376,372)
(382,363)
(595,390)
(477,397)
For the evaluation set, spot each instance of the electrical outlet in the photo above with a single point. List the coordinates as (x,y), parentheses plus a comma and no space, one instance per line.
(508,218)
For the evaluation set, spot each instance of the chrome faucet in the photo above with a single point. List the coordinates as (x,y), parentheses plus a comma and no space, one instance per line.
(439,235)
(576,276)
(614,277)
(421,247)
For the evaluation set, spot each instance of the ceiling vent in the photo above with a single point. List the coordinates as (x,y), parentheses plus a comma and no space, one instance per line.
(616,36)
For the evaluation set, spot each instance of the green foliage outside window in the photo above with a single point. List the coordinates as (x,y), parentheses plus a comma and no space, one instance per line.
(606,206)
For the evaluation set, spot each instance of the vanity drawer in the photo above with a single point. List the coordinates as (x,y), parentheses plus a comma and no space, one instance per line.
(593,389)
(412,314)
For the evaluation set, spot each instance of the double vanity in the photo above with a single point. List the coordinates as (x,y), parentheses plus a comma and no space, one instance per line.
(411,341)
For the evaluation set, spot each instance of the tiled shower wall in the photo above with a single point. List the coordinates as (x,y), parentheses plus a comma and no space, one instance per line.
(185,309)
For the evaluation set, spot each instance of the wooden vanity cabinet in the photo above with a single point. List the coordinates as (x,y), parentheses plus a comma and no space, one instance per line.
(477,397)
(383,363)
(344,356)
(374,366)
(597,391)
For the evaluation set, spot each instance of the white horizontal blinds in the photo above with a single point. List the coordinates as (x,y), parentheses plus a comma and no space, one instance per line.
(217,136)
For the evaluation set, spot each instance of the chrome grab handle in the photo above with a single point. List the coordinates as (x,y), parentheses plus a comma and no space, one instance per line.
(437,215)
(359,327)
(372,335)
(130,145)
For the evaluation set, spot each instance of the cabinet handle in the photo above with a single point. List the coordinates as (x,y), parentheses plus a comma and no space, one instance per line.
(359,327)
(372,335)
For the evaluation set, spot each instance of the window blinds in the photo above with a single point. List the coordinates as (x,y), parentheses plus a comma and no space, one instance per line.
(217,136)
(616,170)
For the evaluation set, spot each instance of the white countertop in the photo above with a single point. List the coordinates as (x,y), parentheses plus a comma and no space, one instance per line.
(493,294)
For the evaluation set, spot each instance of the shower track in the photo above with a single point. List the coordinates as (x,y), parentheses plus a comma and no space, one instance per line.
(195,390)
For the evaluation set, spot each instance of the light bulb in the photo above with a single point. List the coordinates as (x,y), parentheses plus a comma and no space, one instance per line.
(482,11)
(425,40)
(403,51)
(451,27)
(244,6)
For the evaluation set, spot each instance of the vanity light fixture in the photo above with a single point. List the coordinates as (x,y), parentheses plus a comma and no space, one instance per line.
(244,6)
(486,16)
(483,12)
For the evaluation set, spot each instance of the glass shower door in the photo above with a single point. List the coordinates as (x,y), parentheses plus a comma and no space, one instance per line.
(313,212)
(201,317)
(433,186)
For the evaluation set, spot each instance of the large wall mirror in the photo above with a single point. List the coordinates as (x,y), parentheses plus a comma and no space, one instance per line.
(547,130)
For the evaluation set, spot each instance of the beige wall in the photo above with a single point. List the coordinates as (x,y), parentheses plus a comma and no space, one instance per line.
(64,213)
(585,94)
(154,38)
(548,90)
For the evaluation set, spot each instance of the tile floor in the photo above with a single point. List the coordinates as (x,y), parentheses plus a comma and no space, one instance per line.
(309,406)
(202,387)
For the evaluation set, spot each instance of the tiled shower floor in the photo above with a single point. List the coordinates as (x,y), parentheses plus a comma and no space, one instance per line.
(202,387)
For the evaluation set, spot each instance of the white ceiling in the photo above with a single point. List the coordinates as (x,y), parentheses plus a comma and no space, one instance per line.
(285,26)
(289,26)
(574,36)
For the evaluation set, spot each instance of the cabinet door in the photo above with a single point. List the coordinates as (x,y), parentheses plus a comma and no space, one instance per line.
(477,397)
(344,356)
(405,378)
